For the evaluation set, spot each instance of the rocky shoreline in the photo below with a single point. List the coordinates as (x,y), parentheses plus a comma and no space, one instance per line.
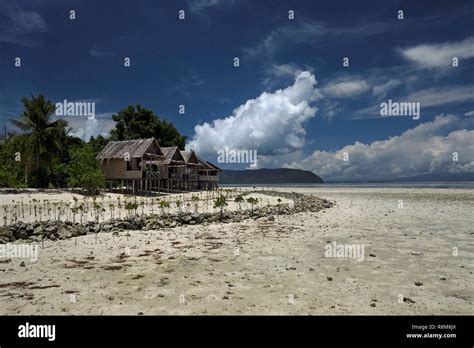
(57,230)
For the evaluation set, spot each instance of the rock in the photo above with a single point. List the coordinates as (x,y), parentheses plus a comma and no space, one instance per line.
(30,229)
(196,217)
(329,279)
(50,229)
(186,219)
(271,218)
(63,233)
(22,264)
(418,283)
(21,234)
(7,233)
(77,231)
(373,305)
(38,230)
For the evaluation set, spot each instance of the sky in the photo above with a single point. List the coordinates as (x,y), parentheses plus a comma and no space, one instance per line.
(290,98)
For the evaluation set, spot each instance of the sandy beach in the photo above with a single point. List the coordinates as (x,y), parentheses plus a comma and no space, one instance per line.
(418,259)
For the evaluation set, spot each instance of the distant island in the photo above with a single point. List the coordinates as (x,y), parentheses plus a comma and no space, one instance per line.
(269,176)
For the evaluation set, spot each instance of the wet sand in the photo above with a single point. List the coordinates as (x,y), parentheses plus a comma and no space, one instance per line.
(267,266)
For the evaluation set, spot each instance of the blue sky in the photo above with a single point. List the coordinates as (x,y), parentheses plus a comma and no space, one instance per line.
(284,63)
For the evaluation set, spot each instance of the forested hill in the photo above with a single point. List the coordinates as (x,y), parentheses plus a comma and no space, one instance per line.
(269,176)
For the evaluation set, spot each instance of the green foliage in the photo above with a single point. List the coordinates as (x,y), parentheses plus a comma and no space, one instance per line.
(252,201)
(51,157)
(220,203)
(140,123)
(42,145)
(239,199)
(11,171)
(84,170)
(98,143)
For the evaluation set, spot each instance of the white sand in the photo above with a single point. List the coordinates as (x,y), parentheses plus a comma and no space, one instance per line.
(54,205)
(267,267)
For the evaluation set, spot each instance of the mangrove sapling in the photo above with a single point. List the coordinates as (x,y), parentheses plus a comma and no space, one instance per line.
(252,202)
(195,199)
(239,199)
(163,204)
(34,206)
(220,203)
(178,205)
(152,203)
(96,207)
(112,212)
(81,209)
(119,205)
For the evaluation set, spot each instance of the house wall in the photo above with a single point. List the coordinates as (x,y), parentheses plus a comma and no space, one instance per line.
(116,168)
(164,172)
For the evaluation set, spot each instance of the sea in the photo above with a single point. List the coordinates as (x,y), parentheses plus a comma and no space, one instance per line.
(434,185)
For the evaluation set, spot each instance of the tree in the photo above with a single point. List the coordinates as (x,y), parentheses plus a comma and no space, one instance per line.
(252,201)
(220,203)
(239,199)
(140,123)
(84,170)
(42,137)
(12,171)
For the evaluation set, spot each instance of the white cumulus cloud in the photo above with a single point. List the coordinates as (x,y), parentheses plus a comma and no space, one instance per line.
(273,123)
(426,148)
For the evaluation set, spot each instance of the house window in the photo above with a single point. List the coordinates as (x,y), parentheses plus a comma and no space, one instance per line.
(129,165)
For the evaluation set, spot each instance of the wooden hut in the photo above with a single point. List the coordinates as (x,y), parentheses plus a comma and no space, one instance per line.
(208,175)
(143,166)
(191,175)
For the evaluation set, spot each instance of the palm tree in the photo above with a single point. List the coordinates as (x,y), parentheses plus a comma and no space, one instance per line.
(43,137)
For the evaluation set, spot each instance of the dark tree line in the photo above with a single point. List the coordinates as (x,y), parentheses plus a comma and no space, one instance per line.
(44,154)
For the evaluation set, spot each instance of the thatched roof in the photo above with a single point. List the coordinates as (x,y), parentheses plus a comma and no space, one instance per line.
(190,157)
(172,154)
(136,148)
(208,165)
